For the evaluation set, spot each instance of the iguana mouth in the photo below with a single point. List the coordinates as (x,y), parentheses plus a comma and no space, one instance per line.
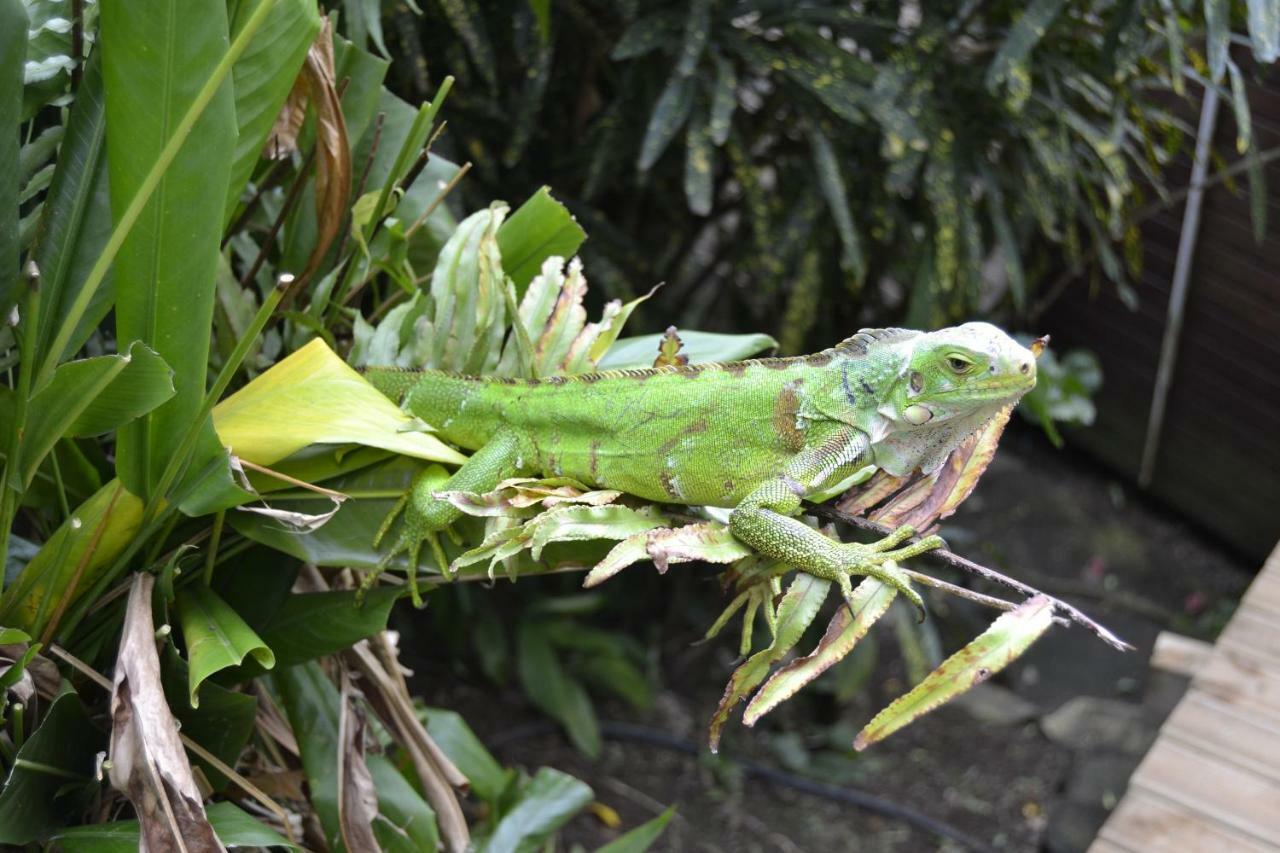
(1001,388)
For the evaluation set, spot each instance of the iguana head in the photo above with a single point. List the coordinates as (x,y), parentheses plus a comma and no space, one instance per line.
(951,382)
(952,372)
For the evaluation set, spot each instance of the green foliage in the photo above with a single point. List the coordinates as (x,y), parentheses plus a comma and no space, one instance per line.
(225,208)
(218,497)
(926,162)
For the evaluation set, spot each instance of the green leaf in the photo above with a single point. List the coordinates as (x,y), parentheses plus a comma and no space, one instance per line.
(699,165)
(468,23)
(724,99)
(1006,238)
(871,599)
(1010,61)
(76,220)
(363,94)
(797,609)
(642,837)
(467,288)
(83,546)
(92,396)
(540,228)
(1257,195)
(13,53)
(831,181)
(452,734)
(234,826)
(1264,29)
(700,347)
(646,34)
(993,650)
(262,78)
(157,59)
(1240,104)
(216,637)
(547,803)
(1217,19)
(16,667)
(542,14)
(221,724)
(51,777)
(311,702)
(552,689)
(668,116)
(697,30)
(315,624)
(405,822)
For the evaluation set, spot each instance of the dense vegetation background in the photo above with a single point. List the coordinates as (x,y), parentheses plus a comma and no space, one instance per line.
(209,210)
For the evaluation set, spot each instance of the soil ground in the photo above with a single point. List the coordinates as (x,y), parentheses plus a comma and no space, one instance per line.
(988,769)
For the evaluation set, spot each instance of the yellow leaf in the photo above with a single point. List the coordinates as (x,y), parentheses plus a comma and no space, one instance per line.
(314,397)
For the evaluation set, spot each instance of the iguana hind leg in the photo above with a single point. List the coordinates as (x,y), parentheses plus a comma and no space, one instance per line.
(764,521)
(426,516)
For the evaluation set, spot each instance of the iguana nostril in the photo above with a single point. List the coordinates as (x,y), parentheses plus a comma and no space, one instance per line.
(1024,368)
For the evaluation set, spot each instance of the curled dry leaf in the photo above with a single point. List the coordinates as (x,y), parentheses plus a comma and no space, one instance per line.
(297,522)
(357,797)
(922,500)
(708,542)
(317,85)
(388,694)
(148,763)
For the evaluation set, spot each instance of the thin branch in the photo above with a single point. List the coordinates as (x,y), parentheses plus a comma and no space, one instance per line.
(295,192)
(964,564)
(294,481)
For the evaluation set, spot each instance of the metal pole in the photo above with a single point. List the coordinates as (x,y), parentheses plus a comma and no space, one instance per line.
(1181,282)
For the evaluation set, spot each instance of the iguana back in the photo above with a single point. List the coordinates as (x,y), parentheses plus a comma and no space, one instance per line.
(698,434)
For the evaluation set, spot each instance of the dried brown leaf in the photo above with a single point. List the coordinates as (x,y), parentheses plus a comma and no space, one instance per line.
(317,85)
(148,763)
(357,796)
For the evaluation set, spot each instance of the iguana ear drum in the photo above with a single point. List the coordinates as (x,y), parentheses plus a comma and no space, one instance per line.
(917,382)
(916,415)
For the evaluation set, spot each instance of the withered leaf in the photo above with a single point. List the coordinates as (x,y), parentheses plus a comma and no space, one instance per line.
(317,85)
(148,763)
(357,797)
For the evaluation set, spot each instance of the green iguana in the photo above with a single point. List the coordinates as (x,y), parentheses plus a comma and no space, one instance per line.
(758,437)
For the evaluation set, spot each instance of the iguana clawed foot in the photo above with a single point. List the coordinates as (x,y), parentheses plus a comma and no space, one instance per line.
(420,511)
(880,561)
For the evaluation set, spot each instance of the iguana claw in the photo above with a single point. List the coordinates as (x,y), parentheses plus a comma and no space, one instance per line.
(416,529)
(880,561)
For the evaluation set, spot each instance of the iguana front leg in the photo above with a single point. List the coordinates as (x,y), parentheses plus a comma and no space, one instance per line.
(425,516)
(764,521)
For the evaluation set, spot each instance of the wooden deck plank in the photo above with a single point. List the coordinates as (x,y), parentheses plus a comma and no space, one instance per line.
(1204,723)
(1243,680)
(1265,590)
(1211,781)
(1253,630)
(1146,823)
(1210,789)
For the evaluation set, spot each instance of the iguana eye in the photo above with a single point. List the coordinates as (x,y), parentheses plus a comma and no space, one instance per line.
(958,363)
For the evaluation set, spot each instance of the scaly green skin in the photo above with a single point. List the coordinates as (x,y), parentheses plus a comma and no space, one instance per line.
(756,436)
